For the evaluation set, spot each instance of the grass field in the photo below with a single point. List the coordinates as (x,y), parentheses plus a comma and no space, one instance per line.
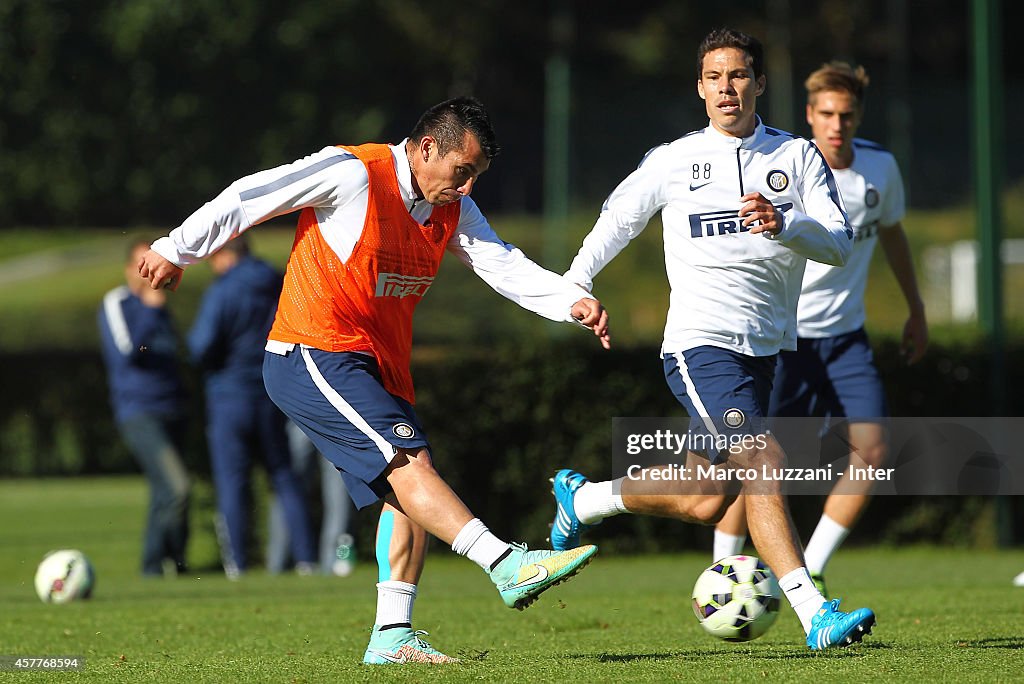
(948,615)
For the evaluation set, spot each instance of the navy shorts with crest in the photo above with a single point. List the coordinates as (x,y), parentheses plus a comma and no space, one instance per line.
(337,399)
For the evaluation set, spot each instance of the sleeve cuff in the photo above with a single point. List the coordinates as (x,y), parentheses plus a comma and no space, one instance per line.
(165,247)
(778,235)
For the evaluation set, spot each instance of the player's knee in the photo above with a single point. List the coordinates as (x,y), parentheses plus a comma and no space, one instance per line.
(874,455)
(178,493)
(709,510)
(410,466)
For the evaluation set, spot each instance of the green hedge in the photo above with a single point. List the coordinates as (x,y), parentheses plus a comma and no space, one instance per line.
(501,421)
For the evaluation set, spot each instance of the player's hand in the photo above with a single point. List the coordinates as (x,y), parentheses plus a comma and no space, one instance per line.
(759,214)
(160,272)
(915,337)
(591,314)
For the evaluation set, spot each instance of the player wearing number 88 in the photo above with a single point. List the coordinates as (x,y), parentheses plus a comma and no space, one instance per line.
(744,207)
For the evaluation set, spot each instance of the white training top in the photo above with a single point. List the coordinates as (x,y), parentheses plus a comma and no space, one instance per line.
(335,184)
(729,289)
(832,299)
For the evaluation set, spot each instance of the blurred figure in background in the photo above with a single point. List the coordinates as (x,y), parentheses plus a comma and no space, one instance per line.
(832,372)
(226,341)
(315,473)
(140,350)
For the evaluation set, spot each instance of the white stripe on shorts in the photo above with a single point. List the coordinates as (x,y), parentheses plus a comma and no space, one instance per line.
(345,409)
(691,392)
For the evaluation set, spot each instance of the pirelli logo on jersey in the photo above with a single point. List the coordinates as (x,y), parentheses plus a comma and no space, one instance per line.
(398,285)
(865,232)
(712,223)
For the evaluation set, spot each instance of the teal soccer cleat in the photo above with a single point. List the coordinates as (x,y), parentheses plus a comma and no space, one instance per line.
(833,628)
(566,528)
(401,646)
(524,575)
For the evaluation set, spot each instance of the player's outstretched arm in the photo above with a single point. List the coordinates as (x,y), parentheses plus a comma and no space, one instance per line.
(160,272)
(592,315)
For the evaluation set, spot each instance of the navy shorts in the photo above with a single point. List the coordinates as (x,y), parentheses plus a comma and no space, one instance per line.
(726,394)
(829,377)
(338,400)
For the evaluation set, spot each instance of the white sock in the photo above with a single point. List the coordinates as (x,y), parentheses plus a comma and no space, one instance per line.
(827,537)
(727,544)
(802,595)
(596,501)
(394,603)
(477,543)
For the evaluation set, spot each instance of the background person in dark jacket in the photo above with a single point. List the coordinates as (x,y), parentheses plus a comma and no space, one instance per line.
(227,341)
(322,481)
(140,351)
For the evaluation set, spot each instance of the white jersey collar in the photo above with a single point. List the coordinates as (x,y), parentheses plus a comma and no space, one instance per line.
(733,141)
(404,173)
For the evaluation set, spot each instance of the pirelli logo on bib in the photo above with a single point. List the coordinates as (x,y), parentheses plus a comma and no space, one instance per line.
(713,223)
(398,285)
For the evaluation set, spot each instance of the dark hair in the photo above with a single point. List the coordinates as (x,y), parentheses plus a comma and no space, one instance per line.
(448,122)
(237,245)
(730,38)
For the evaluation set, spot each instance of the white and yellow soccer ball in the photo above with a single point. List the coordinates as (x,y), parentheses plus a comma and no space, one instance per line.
(64,576)
(736,598)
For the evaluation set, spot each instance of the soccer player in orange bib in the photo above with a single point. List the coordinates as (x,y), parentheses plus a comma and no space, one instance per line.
(376,220)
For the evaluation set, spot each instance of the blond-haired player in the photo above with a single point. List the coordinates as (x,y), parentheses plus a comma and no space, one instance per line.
(832,372)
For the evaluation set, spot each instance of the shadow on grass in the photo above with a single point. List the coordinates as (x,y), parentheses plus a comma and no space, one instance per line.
(1010,643)
(754,654)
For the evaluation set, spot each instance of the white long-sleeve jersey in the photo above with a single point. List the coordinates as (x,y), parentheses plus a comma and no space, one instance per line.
(832,299)
(729,288)
(335,184)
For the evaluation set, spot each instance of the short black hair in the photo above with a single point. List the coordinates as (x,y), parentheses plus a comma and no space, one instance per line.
(448,122)
(731,38)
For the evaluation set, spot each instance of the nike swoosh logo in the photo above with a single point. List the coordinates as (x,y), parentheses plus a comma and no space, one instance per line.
(698,186)
(797,586)
(542,574)
(398,660)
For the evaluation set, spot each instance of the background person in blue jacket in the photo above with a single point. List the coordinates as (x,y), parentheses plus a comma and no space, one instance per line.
(320,478)
(227,341)
(146,392)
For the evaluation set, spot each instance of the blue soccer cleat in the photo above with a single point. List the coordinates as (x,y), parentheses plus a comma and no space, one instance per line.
(566,528)
(833,628)
(402,646)
(523,575)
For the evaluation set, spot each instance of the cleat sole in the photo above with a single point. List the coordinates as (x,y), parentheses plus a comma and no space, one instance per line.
(862,631)
(526,602)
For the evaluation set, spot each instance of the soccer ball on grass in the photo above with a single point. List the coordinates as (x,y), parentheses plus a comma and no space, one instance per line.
(736,599)
(64,576)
